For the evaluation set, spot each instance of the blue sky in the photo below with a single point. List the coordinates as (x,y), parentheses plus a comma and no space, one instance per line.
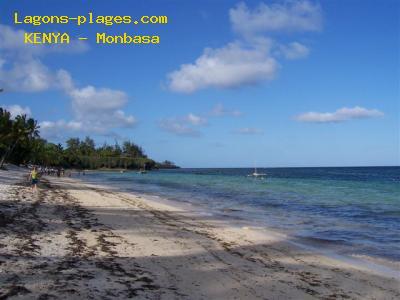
(232,84)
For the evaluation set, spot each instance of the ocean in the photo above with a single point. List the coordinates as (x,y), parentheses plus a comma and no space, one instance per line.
(352,210)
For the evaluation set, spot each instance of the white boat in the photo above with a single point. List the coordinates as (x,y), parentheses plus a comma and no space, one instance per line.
(142,170)
(255,174)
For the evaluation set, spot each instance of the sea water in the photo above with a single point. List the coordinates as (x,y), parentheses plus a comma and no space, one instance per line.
(355,211)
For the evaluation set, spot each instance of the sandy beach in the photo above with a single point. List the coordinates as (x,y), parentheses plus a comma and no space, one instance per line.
(72,240)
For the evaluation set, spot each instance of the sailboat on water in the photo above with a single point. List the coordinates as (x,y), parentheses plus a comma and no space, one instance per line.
(255,174)
(143,170)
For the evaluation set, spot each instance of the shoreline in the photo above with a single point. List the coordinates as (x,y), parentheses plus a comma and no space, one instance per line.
(380,265)
(128,244)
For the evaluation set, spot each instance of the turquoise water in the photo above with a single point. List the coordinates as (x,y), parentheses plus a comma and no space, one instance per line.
(351,210)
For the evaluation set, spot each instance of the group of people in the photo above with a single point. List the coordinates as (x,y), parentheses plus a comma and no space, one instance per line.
(37,171)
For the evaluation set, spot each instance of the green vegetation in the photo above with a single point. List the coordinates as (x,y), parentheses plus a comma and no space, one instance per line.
(20,143)
(166,165)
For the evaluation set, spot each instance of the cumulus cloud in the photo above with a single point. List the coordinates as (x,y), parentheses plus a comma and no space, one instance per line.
(95,110)
(120,119)
(289,16)
(16,110)
(61,125)
(248,131)
(340,115)
(21,68)
(58,129)
(220,111)
(64,81)
(13,40)
(294,50)
(179,128)
(251,58)
(62,128)
(26,76)
(184,126)
(227,67)
(96,100)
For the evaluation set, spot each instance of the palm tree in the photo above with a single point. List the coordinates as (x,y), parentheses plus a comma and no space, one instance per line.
(6,124)
(22,130)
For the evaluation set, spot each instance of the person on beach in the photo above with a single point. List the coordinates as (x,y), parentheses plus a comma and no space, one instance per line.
(34,178)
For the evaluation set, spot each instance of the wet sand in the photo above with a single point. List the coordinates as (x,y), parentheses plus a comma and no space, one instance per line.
(72,240)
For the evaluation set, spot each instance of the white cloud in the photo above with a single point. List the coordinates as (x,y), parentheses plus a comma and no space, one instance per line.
(250,59)
(58,129)
(294,50)
(21,68)
(339,115)
(248,131)
(96,105)
(61,124)
(227,67)
(195,120)
(177,127)
(101,126)
(96,100)
(187,125)
(16,110)
(27,76)
(290,16)
(219,111)
(95,110)
(183,126)
(120,119)
(13,40)
(64,81)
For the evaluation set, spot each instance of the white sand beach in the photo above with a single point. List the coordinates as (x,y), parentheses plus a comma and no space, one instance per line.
(73,240)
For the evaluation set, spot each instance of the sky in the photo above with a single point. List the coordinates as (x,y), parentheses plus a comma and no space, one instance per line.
(231,84)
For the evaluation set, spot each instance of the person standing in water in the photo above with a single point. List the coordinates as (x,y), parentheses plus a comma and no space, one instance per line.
(34,178)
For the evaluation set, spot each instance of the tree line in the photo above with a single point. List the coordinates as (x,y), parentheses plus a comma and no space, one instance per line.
(20,143)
